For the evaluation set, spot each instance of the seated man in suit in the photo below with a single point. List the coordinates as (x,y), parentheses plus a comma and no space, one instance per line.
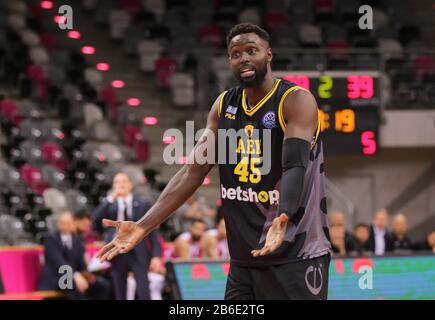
(360,239)
(122,205)
(401,242)
(341,240)
(65,248)
(380,240)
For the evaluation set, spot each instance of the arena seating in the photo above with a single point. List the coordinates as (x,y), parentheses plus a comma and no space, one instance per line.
(62,136)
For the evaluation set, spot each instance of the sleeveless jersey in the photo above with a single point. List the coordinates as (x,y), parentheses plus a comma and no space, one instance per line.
(250,180)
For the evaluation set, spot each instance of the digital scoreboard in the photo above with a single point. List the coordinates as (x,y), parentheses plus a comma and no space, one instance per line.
(350,103)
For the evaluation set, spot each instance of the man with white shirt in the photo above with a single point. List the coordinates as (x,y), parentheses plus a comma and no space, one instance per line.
(65,248)
(380,240)
(122,205)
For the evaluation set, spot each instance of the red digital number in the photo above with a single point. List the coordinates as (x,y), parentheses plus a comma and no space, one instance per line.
(368,142)
(302,81)
(360,87)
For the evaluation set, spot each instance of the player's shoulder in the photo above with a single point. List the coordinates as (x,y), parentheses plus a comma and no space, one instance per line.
(286,85)
(228,97)
(231,92)
(293,93)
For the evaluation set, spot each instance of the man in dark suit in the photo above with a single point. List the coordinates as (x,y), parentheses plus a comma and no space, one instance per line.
(64,248)
(380,239)
(122,205)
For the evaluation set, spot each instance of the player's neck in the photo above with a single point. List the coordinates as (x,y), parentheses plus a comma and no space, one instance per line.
(255,94)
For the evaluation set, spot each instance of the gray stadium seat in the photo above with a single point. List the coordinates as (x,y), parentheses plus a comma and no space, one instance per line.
(55,200)
(76,200)
(182,90)
(53,177)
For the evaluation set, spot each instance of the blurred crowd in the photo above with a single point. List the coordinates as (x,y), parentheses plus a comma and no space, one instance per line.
(194,231)
(379,238)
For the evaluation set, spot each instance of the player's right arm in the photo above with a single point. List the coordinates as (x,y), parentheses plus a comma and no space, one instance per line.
(182,185)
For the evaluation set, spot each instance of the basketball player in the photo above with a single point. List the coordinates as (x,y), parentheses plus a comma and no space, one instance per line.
(279,249)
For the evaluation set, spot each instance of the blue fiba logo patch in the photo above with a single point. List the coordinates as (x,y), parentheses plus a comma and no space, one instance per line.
(269,120)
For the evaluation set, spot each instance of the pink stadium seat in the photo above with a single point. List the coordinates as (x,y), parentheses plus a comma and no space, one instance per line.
(53,154)
(423,64)
(275,19)
(132,134)
(211,34)
(108,95)
(132,6)
(165,68)
(142,150)
(9,109)
(324,6)
(35,72)
(48,41)
(30,175)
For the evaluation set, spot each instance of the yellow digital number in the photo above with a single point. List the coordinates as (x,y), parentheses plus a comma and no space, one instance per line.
(345,120)
(324,120)
(325,87)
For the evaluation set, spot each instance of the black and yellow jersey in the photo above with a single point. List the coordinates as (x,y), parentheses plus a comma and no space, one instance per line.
(250,182)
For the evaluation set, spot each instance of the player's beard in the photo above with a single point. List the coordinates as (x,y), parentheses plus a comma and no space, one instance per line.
(256,79)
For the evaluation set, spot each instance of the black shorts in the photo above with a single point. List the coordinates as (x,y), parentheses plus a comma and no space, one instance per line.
(299,280)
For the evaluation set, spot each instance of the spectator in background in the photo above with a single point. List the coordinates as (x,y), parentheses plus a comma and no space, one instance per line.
(428,244)
(399,228)
(152,185)
(84,230)
(190,244)
(194,208)
(341,240)
(380,240)
(122,205)
(361,234)
(64,248)
(215,242)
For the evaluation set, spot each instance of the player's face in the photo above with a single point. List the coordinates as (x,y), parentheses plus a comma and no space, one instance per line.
(249,59)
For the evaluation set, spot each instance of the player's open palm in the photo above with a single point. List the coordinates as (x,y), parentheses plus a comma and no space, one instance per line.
(128,235)
(274,237)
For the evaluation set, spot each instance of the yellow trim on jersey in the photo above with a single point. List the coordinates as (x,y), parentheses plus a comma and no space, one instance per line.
(221,99)
(319,123)
(281,102)
(281,116)
(262,101)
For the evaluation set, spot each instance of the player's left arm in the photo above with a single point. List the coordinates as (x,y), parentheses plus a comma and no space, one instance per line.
(300,112)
